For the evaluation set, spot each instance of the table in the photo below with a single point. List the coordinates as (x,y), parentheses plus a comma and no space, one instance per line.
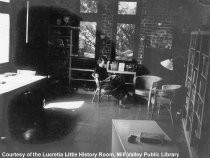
(13,85)
(121,129)
(124,73)
(109,71)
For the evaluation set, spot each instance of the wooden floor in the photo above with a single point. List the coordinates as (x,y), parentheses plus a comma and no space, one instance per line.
(86,129)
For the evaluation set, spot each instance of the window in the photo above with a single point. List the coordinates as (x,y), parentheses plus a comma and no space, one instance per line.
(125,41)
(128,8)
(88,6)
(4,37)
(126,28)
(87,39)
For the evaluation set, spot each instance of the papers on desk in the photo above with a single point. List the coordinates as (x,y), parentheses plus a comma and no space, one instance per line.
(18,81)
(26,72)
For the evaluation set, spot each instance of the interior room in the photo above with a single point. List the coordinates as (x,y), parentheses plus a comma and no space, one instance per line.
(105,78)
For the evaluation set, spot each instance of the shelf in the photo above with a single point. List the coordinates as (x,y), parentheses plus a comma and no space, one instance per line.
(197,134)
(75,79)
(62,26)
(192,49)
(76,69)
(59,47)
(200,98)
(198,117)
(197,80)
(194,85)
(205,77)
(64,36)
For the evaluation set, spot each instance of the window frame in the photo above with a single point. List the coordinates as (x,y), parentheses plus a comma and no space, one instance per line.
(127,19)
(95,38)
(93,17)
(89,13)
(5,9)
(127,1)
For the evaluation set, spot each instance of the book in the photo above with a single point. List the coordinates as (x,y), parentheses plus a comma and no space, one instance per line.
(121,67)
(153,138)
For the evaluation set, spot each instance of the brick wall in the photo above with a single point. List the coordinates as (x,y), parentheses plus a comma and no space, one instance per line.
(107,18)
(156,25)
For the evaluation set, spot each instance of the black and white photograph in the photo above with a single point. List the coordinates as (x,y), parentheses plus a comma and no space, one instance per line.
(104,78)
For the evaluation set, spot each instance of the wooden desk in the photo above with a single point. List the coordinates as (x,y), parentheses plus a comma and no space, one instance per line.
(109,71)
(121,129)
(124,73)
(14,85)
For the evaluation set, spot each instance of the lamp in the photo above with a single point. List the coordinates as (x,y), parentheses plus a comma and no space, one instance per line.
(169,63)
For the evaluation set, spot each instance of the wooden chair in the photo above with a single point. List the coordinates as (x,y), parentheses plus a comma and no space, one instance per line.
(99,88)
(144,85)
(170,96)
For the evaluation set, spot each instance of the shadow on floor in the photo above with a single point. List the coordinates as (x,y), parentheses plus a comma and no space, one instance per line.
(37,126)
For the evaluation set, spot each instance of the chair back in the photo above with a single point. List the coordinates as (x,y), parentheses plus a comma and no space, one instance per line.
(147,81)
(96,79)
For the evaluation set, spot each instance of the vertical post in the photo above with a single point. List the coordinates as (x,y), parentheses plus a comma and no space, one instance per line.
(27,18)
(70,56)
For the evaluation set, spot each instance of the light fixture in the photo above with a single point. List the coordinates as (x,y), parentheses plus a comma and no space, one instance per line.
(169,63)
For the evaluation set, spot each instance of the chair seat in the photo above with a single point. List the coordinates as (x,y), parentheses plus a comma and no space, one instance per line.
(161,100)
(142,92)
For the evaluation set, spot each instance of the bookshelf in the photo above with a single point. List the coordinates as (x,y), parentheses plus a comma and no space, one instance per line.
(59,47)
(196,116)
(61,30)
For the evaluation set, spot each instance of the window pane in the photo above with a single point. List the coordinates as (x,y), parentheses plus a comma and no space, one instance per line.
(125,41)
(87,39)
(4,38)
(88,6)
(127,8)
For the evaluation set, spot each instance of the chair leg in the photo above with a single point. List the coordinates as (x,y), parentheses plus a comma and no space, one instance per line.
(102,95)
(153,111)
(154,106)
(96,91)
(172,120)
(99,95)
(171,115)
(158,106)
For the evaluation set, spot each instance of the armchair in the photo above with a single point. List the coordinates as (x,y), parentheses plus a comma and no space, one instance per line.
(144,85)
(170,96)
